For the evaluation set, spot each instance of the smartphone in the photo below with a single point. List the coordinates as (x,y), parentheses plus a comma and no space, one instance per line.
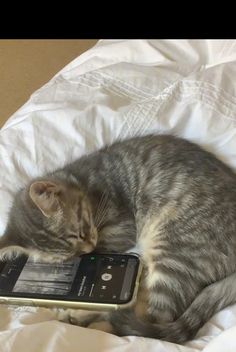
(90,281)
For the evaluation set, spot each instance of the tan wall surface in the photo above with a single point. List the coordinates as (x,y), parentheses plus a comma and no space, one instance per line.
(26,65)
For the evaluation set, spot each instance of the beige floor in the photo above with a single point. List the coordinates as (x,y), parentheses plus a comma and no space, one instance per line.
(25,65)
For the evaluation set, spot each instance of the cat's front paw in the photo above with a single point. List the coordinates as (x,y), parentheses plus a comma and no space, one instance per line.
(84,318)
(102,326)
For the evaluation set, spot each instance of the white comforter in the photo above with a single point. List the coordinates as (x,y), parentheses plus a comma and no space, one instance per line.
(114,90)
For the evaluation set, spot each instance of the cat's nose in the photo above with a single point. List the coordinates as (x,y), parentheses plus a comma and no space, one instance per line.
(87,247)
(94,241)
(94,233)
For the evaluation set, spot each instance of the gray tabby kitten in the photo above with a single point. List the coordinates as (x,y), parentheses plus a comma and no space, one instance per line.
(167,196)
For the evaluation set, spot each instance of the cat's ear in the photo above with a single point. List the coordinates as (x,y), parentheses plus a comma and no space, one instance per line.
(45,194)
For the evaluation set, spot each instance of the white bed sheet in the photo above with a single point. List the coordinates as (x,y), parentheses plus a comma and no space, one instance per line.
(114,90)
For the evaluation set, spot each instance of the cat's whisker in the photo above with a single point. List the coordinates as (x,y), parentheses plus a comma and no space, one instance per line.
(101,220)
(102,209)
(100,206)
(103,216)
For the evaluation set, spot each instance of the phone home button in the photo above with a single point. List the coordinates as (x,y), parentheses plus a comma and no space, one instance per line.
(106,277)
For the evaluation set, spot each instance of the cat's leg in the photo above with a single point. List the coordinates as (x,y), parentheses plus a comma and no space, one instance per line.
(103,325)
(79,317)
(91,319)
(85,318)
(170,289)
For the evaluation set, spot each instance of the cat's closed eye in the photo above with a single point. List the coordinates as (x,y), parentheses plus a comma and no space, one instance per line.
(82,236)
(72,237)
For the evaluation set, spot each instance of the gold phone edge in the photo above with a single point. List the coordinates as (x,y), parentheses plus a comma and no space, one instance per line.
(46,303)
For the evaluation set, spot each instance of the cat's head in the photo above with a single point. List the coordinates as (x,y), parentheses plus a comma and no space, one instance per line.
(49,220)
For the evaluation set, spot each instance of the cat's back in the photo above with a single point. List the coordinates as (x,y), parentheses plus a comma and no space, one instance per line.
(166,152)
(163,162)
(135,162)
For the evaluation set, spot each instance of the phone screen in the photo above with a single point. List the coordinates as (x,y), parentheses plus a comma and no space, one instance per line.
(99,278)
(46,279)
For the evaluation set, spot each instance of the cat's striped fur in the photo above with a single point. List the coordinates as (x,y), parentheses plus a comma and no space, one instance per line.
(169,197)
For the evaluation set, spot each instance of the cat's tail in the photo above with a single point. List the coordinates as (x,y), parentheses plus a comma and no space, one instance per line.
(210,300)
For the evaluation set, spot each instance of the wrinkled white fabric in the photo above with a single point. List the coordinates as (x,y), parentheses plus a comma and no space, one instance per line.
(115,90)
